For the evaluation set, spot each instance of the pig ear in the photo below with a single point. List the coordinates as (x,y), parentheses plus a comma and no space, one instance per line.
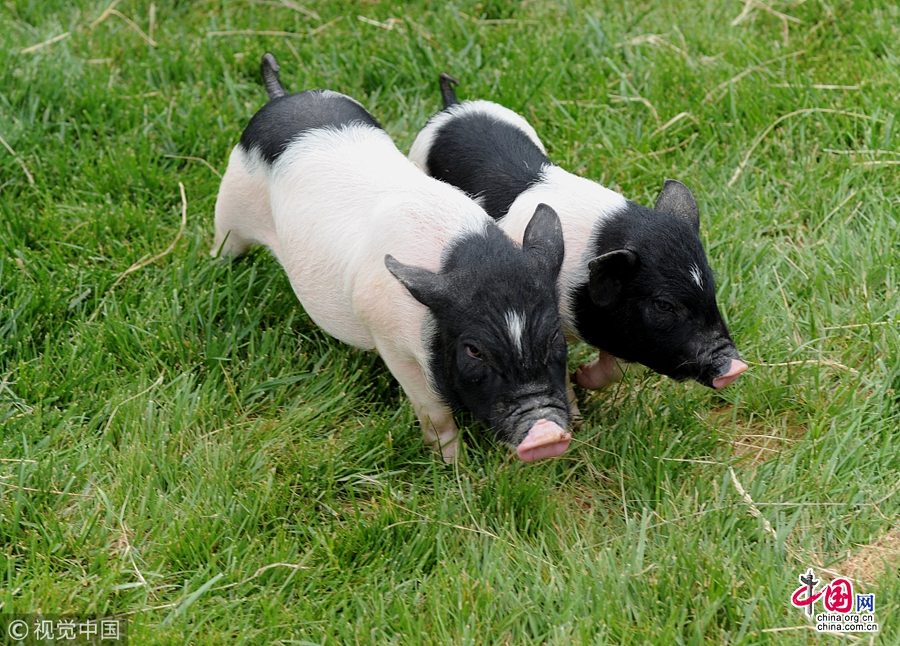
(676,199)
(609,272)
(424,286)
(544,238)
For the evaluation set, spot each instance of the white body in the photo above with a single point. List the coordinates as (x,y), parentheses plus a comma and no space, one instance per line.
(330,208)
(580,204)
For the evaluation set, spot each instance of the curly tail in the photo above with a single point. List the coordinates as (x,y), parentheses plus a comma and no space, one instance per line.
(447,92)
(270,69)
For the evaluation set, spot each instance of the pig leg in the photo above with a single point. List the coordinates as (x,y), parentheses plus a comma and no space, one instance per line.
(440,431)
(599,373)
(243,215)
(436,419)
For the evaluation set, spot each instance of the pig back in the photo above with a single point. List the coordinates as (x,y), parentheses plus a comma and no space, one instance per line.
(341,200)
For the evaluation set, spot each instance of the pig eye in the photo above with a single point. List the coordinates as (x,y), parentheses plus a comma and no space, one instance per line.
(664,306)
(473,351)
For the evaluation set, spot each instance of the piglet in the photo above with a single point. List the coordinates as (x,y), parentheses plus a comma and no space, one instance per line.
(383,257)
(635,282)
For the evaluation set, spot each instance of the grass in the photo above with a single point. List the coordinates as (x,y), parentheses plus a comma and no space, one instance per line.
(183,446)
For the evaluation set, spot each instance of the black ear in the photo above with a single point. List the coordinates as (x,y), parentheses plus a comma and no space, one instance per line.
(544,238)
(676,199)
(609,272)
(424,286)
(447,93)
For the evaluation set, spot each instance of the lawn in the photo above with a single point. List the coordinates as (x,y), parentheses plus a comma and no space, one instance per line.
(183,447)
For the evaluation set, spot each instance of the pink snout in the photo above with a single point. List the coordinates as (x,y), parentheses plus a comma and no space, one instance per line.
(545,440)
(734,371)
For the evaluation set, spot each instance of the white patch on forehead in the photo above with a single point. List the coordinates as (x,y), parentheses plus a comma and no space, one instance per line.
(516,324)
(697,276)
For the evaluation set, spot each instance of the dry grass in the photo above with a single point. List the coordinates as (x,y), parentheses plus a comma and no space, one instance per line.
(874,560)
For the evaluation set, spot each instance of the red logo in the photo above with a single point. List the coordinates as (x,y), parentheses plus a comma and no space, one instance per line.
(838,594)
(800,601)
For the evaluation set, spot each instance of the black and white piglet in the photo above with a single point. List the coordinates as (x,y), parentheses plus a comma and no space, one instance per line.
(468,320)
(635,282)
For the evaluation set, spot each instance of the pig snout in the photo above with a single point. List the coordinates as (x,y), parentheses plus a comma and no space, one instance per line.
(718,363)
(537,429)
(545,439)
(733,371)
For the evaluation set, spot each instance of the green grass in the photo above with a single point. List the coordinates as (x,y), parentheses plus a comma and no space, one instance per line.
(185,447)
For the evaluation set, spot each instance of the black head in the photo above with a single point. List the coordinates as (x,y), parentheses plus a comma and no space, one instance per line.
(651,295)
(496,343)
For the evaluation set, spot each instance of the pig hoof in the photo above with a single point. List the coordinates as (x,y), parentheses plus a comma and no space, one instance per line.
(449,451)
